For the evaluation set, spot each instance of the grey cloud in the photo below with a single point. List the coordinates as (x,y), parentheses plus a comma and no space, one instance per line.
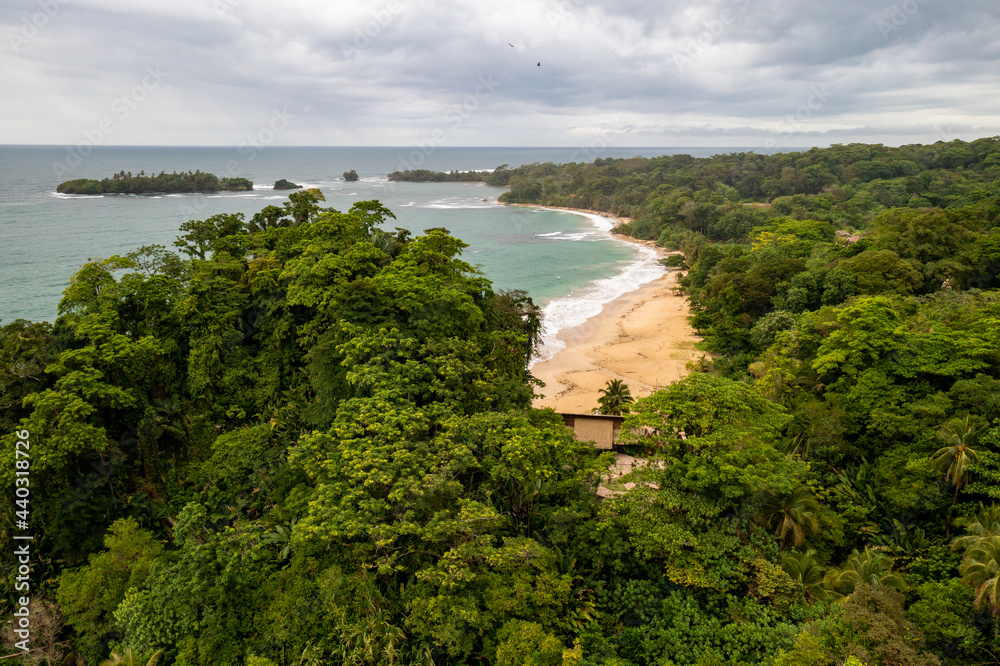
(387,72)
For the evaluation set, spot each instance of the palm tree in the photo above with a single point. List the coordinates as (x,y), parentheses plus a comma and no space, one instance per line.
(616,398)
(867,567)
(129,658)
(982,526)
(953,459)
(281,537)
(806,570)
(790,515)
(981,570)
(795,445)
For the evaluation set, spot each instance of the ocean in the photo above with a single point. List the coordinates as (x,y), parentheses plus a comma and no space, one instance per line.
(568,263)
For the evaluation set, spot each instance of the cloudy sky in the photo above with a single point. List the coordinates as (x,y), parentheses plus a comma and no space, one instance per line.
(510,73)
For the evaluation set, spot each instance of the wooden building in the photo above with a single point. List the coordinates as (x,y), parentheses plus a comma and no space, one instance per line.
(599,428)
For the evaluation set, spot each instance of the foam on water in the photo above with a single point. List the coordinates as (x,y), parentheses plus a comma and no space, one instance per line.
(443,206)
(77,197)
(458,203)
(573,310)
(586,235)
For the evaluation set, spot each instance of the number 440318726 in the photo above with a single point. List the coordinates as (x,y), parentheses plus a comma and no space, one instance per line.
(22,465)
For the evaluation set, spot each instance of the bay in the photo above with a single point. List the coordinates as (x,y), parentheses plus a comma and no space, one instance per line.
(46,237)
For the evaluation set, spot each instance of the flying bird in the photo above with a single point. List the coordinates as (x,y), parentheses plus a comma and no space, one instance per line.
(511,45)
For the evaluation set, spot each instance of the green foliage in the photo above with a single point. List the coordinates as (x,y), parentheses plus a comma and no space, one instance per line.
(80,186)
(943,612)
(716,438)
(808,651)
(807,572)
(874,621)
(790,516)
(865,568)
(870,627)
(883,272)
(126,183)
(476,588)
(615,398)
(129,658)
(26,349)
(499,177)
(723,196)
(89,595)
(527,644)
(983,525)
(981,570)
(955,457)
(308,439)
(867,331)
(707,410)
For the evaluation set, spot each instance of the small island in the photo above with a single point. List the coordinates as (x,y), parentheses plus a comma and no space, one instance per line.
(499,177)
(351,176)
(164,183)
(283,184)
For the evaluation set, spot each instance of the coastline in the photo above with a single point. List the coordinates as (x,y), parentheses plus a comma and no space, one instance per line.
(642,337)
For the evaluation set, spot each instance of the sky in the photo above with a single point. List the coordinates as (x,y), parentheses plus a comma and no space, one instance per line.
(747,73)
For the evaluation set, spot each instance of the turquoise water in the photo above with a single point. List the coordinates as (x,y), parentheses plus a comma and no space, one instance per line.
(562,260)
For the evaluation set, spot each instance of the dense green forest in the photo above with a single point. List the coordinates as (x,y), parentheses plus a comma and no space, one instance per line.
(126,183)
(498,177)
(304,439)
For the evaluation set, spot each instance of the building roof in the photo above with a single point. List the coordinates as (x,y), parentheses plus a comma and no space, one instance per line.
(609,417)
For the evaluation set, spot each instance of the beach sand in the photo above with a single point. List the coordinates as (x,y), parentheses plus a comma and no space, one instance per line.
(642,338)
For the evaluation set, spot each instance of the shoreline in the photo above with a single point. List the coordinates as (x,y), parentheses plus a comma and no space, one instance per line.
(642,337)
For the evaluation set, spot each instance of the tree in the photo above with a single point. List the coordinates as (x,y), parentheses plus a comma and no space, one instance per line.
(90,594)
(868,567)
(981,570)
(717,439)
(868,330)
(790,515)
(805,570)
(953,459)
(883,272)
(528,644)
(129,658)
(984,525)
(616,398)
(944,612)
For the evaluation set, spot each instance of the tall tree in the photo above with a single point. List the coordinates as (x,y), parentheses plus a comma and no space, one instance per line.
(869,566)
(806,570)
(615,398)
(790,516)
(981,570)
(983,525)
(953,459)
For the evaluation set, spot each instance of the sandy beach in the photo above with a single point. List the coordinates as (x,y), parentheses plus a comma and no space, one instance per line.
(642,338)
